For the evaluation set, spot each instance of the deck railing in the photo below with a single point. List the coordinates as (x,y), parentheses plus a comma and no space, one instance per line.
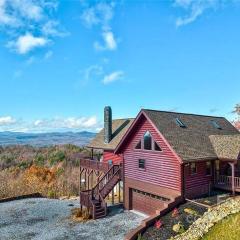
(95,165)
(227,181)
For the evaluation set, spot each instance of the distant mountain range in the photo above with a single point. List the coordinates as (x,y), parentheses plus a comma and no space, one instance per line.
(45,139)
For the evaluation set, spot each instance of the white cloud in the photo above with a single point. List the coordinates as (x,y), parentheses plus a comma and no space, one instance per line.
(38,123)
(112,77)
(50,125)
(27,42)
(194,9)
(70,123)
(109,42)
(101,15)
(74,123)
(93,70)
(33,17)
(8,120)
(28,9)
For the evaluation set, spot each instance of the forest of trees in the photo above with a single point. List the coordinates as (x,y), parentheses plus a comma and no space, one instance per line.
(53,171)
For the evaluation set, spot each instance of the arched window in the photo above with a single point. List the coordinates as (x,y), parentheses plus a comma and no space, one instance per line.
(147,141)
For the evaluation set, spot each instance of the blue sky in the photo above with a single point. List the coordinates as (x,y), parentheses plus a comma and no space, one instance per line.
(61,62)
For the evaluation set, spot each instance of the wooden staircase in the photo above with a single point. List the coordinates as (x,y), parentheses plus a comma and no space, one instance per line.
(93,199)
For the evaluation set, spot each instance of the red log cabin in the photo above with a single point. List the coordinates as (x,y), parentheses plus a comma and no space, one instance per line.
(161,158)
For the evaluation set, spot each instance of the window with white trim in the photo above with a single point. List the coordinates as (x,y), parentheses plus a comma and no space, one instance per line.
(148,143)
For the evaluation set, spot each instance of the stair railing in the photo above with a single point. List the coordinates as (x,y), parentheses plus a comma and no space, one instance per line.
(106,178)
(97,192)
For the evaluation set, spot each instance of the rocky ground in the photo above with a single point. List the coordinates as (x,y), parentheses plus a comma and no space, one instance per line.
(50,219)
(172,225)
(186,214)
(214,215)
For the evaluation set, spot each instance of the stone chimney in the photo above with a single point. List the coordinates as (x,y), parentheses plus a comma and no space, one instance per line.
(107,124)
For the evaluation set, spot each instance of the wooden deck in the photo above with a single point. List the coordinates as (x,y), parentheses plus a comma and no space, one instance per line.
(94,165)
(225,183)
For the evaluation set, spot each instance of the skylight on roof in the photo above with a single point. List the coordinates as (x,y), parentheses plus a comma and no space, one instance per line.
(215,124)
(180,123)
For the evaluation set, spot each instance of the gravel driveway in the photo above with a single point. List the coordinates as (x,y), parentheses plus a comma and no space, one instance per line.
(40,218)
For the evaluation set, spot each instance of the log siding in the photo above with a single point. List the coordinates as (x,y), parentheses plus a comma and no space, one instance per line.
(199,183)
(161,167)
(109,155)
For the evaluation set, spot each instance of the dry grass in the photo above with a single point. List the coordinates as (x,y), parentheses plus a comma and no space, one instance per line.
(227,229)
(80,216)
(47,181)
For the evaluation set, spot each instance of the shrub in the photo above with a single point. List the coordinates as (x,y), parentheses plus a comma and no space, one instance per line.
(56,157)
(39,160)
(175,213)
(23,165)
(86,214)
(140,237)
(59,172)
(51,194)
(158,224)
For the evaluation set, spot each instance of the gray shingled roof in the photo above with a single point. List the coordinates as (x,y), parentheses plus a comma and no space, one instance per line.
(226,146)
(191,143)
(119,128)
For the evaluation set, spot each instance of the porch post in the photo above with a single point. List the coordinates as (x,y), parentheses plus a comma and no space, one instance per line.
(233,176)
(92,153)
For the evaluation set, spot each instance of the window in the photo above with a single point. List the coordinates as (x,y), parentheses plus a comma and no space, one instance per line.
(147,141)
(208,168)
(215,124)
(193,168)
(180,123)
(139,145)
(156,147)
(141,163)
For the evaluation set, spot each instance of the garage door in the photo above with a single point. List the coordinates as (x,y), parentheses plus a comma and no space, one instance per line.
(146,202)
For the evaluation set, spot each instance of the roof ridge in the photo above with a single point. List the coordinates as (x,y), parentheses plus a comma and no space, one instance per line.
(123,119)
(194,114)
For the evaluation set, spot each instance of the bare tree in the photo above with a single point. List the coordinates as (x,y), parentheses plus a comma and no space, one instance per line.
(237,109)
(237,112)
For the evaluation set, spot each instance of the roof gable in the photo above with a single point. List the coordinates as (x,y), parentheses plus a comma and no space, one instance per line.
(226,146)
(191,142)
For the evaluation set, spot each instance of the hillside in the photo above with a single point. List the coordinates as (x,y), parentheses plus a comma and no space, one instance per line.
(52,171)
(45,139)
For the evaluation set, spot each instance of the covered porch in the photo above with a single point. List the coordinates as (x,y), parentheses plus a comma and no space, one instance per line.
(227,166)
(227,176)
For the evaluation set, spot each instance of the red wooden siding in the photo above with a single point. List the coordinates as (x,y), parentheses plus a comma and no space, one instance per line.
(199,183)
(162,168)
(109,155)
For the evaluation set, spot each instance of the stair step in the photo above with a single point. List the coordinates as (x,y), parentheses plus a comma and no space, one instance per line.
(100,215)
(100,211)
